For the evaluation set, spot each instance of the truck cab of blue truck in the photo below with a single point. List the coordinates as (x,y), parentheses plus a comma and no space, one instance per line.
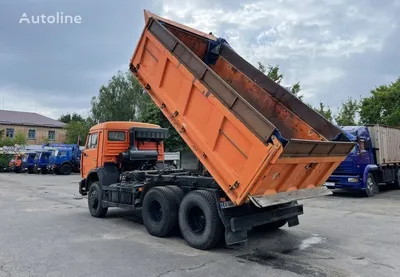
(373,162)
(41,161)
(28,163)
(65,159)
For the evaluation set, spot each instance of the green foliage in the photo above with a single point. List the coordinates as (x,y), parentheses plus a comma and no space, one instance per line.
(274,74)
(4,160)
(67,118)
(7,142)
(324,111)
(119,100)
(383,106)
(150,113)
(20,138)
(347,113)
(76,130)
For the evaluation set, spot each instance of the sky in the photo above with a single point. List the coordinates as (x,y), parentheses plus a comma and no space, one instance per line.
(335,49)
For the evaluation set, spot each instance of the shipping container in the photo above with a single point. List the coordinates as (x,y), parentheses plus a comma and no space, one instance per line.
(386,141)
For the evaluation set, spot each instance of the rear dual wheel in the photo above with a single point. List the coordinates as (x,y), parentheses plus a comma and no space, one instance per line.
(196,215)
(160,210)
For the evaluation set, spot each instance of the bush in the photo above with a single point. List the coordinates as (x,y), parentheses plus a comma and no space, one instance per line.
(4,160)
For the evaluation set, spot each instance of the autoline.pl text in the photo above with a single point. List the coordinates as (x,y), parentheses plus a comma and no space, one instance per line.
(58,18)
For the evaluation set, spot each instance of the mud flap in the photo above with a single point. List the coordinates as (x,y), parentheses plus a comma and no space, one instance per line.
(262,201)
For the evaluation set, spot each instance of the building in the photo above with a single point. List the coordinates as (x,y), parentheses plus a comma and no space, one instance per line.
(37,128)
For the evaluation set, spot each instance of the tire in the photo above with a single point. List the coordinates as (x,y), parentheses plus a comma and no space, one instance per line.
(94,201)
(270,226)
(30,171)
(160,211)
(199,221)
(178,194)
(57,171)
(66,169)
(372,188)
(397,181)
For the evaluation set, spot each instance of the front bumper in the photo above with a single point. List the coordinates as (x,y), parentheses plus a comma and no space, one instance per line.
(342,182)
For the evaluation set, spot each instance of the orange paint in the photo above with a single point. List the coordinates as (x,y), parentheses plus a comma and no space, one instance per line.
(241,162)
(108,151)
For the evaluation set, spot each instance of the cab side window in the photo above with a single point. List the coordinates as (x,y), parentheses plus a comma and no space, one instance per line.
(92,141)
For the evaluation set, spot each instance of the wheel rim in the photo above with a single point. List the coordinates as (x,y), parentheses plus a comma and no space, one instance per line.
(196,220)
(93,199)
(155,211)
(370,184)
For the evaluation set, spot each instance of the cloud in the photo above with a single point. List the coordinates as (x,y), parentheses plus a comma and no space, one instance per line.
(334,48)
(319,43)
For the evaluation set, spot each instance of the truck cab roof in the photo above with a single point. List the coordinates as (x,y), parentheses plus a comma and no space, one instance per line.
(122,125)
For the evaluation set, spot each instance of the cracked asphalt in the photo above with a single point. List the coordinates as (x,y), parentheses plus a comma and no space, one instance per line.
(46,230)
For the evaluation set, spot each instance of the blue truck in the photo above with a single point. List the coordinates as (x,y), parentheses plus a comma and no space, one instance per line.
(28,162)
(373,162)
(41,161)
(65,159)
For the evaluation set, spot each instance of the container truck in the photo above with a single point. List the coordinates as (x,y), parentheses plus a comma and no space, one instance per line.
(261,147)
(374,161)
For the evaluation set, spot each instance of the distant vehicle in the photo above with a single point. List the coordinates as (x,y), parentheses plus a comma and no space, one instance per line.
(373,162)
(15,164)
(41,161)
(28,163)
(65,159)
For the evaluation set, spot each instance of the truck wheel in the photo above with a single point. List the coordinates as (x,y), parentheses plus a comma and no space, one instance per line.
(397,182)
(270,226)
(66,169)
(159,211)
(94,201)
(178,194)
(199,221)
(57,171)
(372,188)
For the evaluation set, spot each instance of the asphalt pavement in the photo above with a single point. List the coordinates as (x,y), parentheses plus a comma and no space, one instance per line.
(46,230)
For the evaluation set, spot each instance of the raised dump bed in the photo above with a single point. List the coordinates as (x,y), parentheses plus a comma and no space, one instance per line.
(256,139)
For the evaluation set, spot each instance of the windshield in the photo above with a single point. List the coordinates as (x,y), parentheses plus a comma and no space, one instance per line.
(54,153)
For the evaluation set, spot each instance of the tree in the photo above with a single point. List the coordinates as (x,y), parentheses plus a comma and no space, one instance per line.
(347,113)
(76,130)
(274,74)
(383,106)
(152,114)
(20,138)
(118,100)
(67,118)
(325,112)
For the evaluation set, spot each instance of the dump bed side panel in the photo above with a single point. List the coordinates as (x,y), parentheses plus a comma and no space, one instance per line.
(291,116)
(228,148)
(386,141)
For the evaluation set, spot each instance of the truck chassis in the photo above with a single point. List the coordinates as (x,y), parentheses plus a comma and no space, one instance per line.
(177,200)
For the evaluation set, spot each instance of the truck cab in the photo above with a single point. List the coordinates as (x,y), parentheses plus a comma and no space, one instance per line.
(15,163)
(41,161)
(117,146)
(65,159)
(28,162)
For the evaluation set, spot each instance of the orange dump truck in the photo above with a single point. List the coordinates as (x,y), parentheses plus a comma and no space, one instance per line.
(263,148)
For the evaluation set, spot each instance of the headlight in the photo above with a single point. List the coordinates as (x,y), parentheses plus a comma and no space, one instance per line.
(352,180)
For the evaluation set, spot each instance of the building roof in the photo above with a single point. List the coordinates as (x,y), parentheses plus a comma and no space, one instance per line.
(28,119)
